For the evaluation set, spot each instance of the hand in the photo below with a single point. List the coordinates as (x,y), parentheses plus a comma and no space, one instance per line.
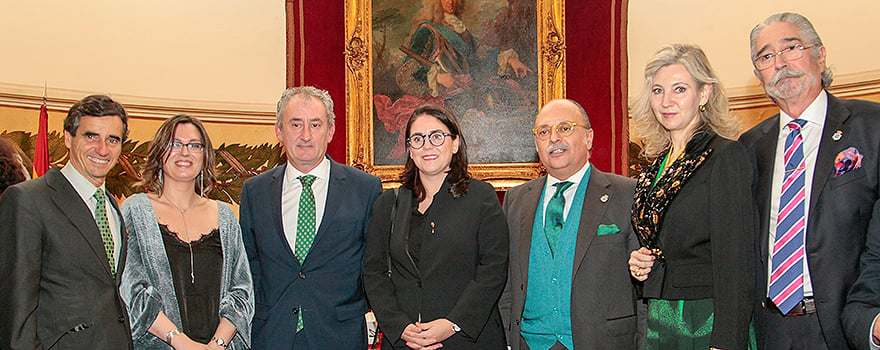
(213,346)
(445,79)
(183,342)
(518,67)
(428,335)
(640,262)
(875,334)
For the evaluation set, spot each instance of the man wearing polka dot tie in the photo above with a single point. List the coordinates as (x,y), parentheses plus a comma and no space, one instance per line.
(303,225)
(63,248)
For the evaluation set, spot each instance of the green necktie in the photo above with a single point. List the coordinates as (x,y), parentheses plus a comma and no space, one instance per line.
(305,228)
(553,226)
(104,226)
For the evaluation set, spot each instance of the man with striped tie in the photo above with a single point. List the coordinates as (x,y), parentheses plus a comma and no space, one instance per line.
(816,189)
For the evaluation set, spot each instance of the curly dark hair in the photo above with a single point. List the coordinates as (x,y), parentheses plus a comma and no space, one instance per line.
(458,177)
(11,169)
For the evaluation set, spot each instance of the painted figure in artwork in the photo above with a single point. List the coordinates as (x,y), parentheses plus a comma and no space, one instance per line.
(478,75)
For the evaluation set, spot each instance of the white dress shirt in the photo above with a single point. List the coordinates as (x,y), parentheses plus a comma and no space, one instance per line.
(291,190)
(550,189)
(86,191)
(811,133)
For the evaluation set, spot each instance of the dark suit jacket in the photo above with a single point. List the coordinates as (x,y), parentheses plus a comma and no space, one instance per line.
(707,239)
(327,289)
(57,285)
(461,268)
(842,211)
(604,308)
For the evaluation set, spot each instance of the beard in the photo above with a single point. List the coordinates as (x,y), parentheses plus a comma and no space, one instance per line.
(785,85)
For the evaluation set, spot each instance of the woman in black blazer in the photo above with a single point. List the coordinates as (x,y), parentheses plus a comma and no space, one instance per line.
(693,209)
(436,256)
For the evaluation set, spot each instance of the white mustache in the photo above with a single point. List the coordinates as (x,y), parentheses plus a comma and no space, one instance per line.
(785,73)
(557,146)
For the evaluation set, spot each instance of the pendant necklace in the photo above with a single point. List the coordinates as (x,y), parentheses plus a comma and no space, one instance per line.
(192,275)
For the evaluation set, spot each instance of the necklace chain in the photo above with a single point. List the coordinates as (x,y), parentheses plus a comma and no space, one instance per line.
(192,274)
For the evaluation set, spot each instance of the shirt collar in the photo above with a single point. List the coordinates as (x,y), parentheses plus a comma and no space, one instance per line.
(574,178)
(83,187)
(321,172)
(814,114)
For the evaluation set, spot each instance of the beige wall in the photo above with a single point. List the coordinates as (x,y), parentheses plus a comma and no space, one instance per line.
(194,51)
(847,27)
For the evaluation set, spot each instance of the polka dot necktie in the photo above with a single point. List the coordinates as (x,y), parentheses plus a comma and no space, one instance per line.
(305,228)
(305,220)
(553,226)
(104,226)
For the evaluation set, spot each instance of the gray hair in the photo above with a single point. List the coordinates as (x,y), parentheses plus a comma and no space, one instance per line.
(806,31)
(305,92)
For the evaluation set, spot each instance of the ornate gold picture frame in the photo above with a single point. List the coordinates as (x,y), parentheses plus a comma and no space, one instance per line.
(360,16)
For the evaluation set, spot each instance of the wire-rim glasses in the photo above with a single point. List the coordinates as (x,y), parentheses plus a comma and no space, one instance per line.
(791,53)
(564,129)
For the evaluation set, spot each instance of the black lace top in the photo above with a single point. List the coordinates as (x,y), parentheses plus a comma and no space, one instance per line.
(200,301)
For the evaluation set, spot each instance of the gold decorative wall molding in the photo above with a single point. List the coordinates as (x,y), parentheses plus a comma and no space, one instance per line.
(28,96)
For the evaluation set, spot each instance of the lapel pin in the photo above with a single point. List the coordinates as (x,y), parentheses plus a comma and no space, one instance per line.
(837,135)
(604,198)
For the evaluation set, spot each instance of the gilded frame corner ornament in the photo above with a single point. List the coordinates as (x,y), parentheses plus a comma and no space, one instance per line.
(359,91)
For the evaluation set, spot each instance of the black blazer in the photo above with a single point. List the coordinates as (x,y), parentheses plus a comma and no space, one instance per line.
(604,311)
(707,238)
(57,284)
(842,213)
(461,270)
(327,287)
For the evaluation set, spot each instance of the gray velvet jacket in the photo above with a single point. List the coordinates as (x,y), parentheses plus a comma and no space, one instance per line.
(147,286)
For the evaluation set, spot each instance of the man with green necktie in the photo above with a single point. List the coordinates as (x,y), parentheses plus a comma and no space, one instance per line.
(570,234)
(303,225)
(64,244)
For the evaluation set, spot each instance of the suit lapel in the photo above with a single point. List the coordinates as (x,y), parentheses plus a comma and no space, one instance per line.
(335,192)
(71,204)
(835,116)
(765,153)
(275,190)
(593,210)
(527,223)
(123,241)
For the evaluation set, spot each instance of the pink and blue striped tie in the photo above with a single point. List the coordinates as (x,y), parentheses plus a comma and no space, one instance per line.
(787,274)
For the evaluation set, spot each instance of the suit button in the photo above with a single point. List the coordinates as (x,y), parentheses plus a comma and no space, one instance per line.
(763,304)
(302,275)
(121,319)
(517,322)
(522,287)
(295,310)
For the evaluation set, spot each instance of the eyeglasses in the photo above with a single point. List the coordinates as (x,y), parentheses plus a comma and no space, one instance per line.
(566,128)
(436,138)
(195,147)
(791,53)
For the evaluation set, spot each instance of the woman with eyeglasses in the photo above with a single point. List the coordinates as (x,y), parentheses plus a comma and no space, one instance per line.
(693,211)
(436,255)
(187,283)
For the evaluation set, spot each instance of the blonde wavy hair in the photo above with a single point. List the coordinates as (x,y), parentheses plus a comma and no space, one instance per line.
(432,11)
(648,131)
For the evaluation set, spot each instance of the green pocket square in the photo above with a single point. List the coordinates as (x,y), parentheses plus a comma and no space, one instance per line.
(608,229)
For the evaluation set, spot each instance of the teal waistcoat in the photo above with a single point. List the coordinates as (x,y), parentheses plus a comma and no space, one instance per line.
(547,313)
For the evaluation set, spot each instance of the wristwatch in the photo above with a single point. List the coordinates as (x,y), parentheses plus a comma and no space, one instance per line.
(456,328)
(170,335)
(219,341)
